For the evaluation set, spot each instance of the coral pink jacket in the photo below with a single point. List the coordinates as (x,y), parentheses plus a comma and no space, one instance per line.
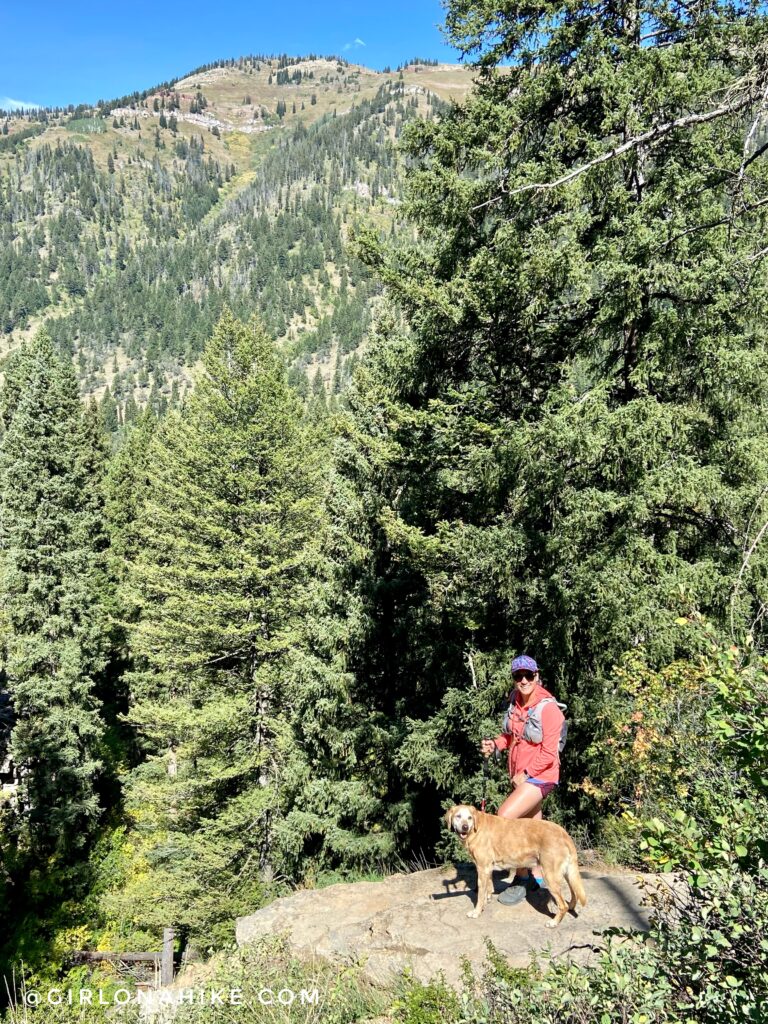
(539,760)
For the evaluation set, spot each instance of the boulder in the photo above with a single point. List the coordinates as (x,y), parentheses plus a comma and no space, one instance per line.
(419,921)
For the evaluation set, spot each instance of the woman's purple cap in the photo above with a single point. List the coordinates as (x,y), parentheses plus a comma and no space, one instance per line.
(523,662)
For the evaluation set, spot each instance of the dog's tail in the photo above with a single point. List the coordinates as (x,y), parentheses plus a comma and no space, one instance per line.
(573,878)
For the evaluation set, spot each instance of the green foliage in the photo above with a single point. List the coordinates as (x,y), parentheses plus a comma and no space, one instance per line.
(90,125)
(218,561)
(569,431)
(55,654)
(344,995)
(431,1003)
(705,961)
(63,1014)
(53,584)
(558,444)
(125,485)
(143,254)
(680,756)
(10,142)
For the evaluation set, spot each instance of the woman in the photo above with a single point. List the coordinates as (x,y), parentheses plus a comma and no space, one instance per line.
(533,745)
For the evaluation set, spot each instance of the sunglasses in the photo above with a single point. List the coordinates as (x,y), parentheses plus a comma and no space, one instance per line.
(517,676)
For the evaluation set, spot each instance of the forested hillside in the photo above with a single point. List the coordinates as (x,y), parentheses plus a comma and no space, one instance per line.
(127,228)
(250,647)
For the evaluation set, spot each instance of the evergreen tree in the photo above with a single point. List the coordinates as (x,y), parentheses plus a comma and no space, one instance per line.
(318,404)
(230,509)
(126,486)
(53,586)
(574,449)
(131,410)
(108,410)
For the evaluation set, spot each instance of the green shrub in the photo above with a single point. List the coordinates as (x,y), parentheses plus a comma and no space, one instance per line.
(680,759)
(431,1003)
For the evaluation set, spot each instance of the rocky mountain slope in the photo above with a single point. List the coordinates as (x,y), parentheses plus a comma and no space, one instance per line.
(125,228)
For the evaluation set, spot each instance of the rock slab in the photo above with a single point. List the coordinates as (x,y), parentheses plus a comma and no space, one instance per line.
(419,921)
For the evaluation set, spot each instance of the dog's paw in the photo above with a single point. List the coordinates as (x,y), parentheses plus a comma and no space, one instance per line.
(473,913)
(551,924)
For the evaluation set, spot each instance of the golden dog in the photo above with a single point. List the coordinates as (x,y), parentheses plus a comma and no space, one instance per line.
(494,842)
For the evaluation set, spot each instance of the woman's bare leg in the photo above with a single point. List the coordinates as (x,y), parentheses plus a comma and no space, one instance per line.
(523,802)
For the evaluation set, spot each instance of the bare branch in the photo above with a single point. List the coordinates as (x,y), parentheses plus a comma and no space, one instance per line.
(743,569)
(757,255)
(490,202)
(752,515)
(652,135)
(753,128)
(659,32)
(471,664)
(758,153)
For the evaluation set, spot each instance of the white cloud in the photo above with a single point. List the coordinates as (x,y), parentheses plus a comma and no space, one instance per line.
(353,45)
(6,103)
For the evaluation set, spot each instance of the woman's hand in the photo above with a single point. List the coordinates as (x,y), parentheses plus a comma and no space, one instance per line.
(487,747)
(519,779)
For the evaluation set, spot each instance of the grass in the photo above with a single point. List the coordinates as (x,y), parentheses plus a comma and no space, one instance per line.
(258,974)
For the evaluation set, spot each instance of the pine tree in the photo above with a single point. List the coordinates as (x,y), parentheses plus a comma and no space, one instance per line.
(230,510)
(575,413)
(125,488)
(347,803)
(108,410)
(53,585)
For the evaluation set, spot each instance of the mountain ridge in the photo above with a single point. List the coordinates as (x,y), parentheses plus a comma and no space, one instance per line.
(121,236)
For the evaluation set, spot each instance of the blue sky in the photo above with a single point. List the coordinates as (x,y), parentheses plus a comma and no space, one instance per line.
(55,53)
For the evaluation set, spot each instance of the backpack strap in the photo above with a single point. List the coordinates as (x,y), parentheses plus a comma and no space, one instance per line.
(551,700)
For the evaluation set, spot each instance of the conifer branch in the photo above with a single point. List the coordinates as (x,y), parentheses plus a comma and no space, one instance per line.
(651,136)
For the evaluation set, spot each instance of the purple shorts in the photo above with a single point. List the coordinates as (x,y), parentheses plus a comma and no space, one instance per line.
(545,787)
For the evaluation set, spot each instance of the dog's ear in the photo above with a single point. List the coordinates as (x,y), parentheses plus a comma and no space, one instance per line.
(448,817)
